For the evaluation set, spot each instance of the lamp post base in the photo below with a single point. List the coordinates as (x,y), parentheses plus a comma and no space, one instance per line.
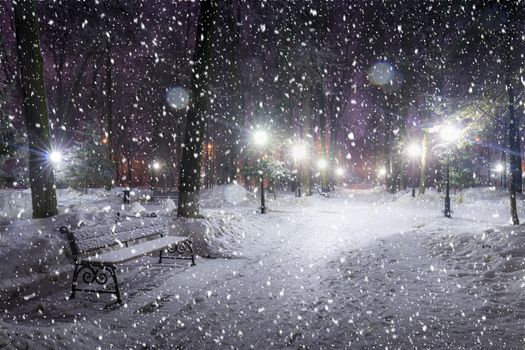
(447,212)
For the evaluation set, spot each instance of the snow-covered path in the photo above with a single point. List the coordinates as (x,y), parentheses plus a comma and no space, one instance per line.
(345,272)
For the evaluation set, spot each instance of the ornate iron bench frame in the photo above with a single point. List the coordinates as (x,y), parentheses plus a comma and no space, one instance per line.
(100,272)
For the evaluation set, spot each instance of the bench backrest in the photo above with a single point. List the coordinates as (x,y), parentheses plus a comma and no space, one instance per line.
(90,239)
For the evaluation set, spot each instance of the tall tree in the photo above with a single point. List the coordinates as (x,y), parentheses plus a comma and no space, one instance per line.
(34,105)
(190,169)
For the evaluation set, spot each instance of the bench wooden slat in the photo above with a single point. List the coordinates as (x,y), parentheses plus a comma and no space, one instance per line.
(135,251)
(107,235)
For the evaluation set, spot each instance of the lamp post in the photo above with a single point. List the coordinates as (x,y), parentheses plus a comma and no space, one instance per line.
(298,154)
(449,134)
(340,171)
(260,138)
(499,169)
(322,164)
(414,151)
(156,168)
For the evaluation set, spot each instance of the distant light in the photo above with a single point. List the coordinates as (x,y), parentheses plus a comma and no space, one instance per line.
(55,157)
(156,165)
(450,133)
(381,172)
(414,150)
(322,164)
(499,168)
(260,137)
(339,171)
(299,152)
(177,97)
(381,73)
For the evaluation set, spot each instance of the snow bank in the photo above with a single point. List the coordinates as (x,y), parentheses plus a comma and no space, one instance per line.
(15,204)
(225,196)
(492,261)
(219,234)
(168,205)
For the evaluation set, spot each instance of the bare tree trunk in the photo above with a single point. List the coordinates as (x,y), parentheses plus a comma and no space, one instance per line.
(35,110)
(515,181)
(235,103)
(307,130)
(322,131)
(109,112)
(189,184)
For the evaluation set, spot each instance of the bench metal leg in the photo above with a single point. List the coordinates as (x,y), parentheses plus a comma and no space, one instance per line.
(74,282)
(160,256)
(189,245)
(113,273)
(94,274)
(181,249)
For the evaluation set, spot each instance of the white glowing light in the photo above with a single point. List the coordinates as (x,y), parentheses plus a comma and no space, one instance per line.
(381,73)
(339,171)
(322,164)
(299,152)
(55,157)
(177,97)
(381,172)
(414,150)
(260,137)
(499,167)
(450,133)
(156,165)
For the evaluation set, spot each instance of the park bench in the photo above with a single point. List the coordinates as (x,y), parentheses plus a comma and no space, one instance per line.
(98,250)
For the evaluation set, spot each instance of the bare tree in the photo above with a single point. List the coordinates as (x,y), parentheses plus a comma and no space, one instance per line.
(190,170)
(35,110)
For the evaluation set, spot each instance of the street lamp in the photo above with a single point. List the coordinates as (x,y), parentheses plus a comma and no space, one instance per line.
(322,164)
(449,134)
(155,180)
(499,169)
(260,138)
(414,152)
(55,157)
(298,154)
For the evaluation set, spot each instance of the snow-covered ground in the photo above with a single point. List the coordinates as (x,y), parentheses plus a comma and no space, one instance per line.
(361,270)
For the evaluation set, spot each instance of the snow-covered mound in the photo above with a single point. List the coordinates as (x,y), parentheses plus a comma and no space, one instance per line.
(224,196)
(219,234)
(168,205)
(15,204)
(492,261)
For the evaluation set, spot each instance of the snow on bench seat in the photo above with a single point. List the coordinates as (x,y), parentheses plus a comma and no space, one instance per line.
(128,253)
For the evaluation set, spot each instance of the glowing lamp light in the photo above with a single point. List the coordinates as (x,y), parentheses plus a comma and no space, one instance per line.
(299,152)
(322,164)
(339,171)
(381,172)
(260,137)
(499,168)
(414,150)
(156,165)
(55,157)
(450,133)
